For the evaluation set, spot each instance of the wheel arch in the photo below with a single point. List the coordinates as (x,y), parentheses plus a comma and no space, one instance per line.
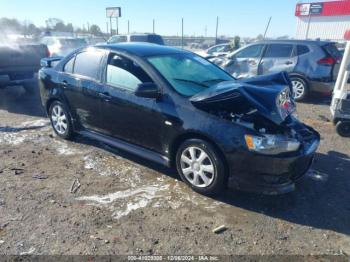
(194,135)
(303,77)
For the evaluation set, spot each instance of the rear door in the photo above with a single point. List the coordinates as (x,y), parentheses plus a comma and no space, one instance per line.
(81,82)
(278,57)
(246,62)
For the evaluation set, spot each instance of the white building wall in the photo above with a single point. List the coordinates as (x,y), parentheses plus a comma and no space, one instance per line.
(323,27)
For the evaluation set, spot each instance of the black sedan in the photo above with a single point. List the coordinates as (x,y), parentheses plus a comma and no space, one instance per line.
(175,108)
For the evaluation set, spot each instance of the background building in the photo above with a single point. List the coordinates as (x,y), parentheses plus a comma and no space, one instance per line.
(325,20)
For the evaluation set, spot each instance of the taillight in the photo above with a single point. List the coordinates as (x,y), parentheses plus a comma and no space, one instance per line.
(327,61)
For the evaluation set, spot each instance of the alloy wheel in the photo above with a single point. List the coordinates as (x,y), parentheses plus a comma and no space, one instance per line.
(298,89)
(59,119)
(197,167)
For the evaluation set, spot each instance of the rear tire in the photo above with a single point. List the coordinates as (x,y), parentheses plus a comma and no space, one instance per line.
(60,120)
(343,128)
(300,88)
(201,167)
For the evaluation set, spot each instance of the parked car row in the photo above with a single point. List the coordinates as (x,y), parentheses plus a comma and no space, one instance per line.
(312,65)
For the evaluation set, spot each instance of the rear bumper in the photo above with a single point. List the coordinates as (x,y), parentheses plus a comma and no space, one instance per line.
(322,87)
(269,174)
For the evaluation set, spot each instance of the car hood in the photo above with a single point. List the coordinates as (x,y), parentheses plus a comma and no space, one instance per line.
(271,95)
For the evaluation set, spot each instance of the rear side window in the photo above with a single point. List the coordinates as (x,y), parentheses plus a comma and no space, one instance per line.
(279,50)
(302,49)
(88,64)
(68,67)
(332,50)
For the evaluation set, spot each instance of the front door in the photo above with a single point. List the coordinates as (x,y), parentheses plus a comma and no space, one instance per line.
(245,63)
(126,116)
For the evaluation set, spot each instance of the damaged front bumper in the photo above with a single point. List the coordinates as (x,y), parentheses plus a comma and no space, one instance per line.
(273,174)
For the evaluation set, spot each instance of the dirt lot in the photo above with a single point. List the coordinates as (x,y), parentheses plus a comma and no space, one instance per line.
(126,205)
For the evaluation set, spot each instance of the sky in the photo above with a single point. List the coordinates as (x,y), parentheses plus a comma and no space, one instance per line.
(246,18)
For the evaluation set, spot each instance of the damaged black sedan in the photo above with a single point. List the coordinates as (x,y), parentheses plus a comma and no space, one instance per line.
(173,107)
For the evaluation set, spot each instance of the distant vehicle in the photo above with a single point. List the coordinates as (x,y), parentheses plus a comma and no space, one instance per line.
(148,38)
(217,50)
(174,107)
(19,63)
(62,46)
(95,40)
(312,65)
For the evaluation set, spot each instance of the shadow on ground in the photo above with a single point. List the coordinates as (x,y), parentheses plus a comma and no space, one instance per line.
(15,100)
(321,199)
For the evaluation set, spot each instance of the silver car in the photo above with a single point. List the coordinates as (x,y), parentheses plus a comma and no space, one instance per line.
(311,65)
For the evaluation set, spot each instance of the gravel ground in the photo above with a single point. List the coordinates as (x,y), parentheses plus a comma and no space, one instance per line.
(126,205)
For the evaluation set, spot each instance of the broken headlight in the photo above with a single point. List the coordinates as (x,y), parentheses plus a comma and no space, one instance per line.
(271,144)
(285,103)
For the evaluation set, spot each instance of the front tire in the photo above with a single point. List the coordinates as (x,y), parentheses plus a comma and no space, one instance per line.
(201,167)
(343,128)
(60,120)
(300,88)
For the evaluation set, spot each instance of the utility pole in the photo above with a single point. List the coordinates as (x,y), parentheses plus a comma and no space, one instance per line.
(153,26)
(110,24)
(182,33)
(107,31)
(308,27)
(205,30)
(216,31)
(128,26)
(117,25)
(267,27)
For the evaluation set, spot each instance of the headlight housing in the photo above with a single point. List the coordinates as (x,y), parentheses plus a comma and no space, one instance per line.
(285,103)
(271,144)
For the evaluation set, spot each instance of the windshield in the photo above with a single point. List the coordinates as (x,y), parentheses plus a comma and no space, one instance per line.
(189,74)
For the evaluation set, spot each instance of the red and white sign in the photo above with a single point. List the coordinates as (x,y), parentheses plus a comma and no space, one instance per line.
(331,8)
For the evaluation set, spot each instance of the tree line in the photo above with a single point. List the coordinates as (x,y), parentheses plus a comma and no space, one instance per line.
(14,26)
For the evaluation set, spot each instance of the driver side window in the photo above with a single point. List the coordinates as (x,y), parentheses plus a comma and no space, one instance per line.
(124,73)
(253,51)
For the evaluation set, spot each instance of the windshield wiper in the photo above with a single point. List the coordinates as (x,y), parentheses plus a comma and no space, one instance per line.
(190,81)
(214,80)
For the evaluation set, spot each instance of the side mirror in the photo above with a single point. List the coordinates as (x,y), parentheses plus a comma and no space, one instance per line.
(148,90)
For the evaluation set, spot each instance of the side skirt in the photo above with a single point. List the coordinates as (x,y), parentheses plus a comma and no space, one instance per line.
(131,148)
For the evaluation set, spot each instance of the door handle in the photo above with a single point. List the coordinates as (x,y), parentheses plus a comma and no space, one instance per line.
(105,95)
(289,63)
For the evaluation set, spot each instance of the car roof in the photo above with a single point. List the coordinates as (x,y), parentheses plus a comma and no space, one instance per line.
(142,49)
(305,42)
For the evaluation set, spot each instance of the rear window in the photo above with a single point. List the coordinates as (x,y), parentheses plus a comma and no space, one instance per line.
(302,49)
(279,50)
(332,50)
